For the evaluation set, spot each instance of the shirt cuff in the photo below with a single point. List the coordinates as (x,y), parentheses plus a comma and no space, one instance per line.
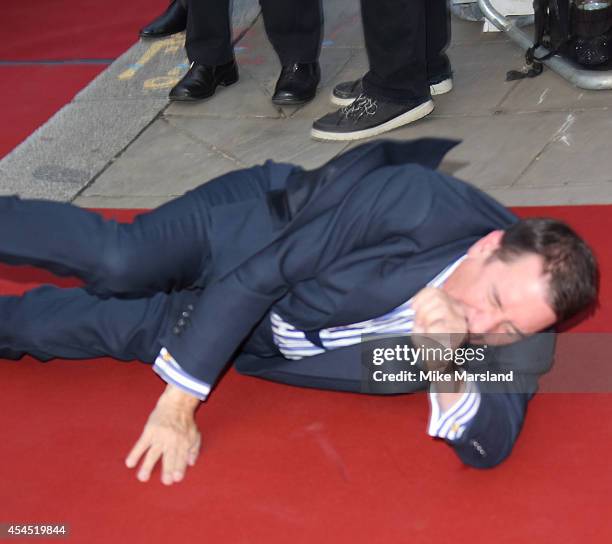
(170,371)
(451,424)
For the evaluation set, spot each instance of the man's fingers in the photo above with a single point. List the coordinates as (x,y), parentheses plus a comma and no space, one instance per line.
(180,464)
(168,465)
(139,448)
(194,452)
(148,464)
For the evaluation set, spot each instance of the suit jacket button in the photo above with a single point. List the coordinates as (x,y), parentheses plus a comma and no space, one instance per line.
(176,330)
(190,307)
(181,322)
(185,314)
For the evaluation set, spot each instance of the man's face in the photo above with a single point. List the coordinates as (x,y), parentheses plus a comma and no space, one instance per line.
(502,301)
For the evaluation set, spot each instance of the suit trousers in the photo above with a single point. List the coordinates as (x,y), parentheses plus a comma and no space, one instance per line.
(135,275)
(294,28)
(405,41)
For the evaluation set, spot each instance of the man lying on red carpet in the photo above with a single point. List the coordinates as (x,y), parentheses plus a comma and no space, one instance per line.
(284,271)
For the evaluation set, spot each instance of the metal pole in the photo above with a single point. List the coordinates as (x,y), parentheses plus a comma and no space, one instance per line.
(585,79)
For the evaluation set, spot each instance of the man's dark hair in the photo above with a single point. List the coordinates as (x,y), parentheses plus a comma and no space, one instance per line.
(568,260)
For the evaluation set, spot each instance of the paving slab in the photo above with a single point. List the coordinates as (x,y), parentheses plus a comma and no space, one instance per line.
(495,149)
(470,32)
(479,78)
(121,144)
(252,141)
(560,195)
(163,162)
(578,155)
(64,156)
(550,92)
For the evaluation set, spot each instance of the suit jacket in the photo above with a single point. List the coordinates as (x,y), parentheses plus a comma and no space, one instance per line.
(340,244)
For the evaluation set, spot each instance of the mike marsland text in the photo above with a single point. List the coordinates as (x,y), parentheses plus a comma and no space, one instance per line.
(438,376)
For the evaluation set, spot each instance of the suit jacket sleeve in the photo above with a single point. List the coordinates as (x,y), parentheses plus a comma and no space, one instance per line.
(377,208)
(491,434)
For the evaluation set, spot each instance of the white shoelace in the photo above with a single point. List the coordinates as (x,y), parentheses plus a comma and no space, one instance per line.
(362,105)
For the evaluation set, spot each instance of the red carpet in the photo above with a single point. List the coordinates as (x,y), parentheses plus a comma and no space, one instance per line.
(72,29)
(69,31)
(280,464)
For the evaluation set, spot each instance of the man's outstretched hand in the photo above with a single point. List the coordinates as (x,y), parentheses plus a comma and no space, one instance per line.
(170,433)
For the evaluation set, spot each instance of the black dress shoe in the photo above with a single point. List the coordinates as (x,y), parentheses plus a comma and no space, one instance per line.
(171,21)
(201,81)
(297,84)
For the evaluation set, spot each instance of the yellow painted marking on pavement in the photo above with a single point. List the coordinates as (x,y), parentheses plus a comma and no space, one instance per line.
(162,82)
(175,72)
(170,45)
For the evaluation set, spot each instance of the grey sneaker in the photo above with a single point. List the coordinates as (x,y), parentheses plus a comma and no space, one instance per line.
(367,116)
(344,93)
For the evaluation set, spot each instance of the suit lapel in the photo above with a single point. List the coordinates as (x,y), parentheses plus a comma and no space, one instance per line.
(400,278)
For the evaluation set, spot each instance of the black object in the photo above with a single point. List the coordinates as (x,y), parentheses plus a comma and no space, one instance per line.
(348,90)
(566,29)
(591,44)
(171,21)
(294,28)
(367,116)
(201,81)
(405,43)
(297,84)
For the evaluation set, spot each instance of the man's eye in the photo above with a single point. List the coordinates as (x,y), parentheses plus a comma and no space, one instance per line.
(509,331)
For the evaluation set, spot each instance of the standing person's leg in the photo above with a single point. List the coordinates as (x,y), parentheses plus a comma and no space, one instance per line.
(396,90)
(438,29)
(295,29)
(162,250)
(209,47)
(171,21)
(209,32)
(384,64)
(395,40)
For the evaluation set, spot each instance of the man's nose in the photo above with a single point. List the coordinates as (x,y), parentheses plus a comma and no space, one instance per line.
(482,322)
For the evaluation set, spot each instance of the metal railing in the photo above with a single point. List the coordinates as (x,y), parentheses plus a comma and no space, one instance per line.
(585,79)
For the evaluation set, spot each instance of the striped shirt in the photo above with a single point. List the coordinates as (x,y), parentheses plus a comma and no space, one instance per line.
(294,345)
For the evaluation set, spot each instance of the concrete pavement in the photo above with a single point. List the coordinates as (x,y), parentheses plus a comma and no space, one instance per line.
(120,144)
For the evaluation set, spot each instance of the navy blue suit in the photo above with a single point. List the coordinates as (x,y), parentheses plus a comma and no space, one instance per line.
(333,246)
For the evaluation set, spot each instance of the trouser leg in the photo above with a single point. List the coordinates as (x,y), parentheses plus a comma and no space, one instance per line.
(50,322)
(162,250)
(401,38)
(209,32)
(294,28)
(438,38)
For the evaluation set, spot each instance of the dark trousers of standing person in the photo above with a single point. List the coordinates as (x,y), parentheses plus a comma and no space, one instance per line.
(405,41)
(294,28)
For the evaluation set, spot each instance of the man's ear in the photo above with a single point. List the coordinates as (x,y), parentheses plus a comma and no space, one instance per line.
(486,245)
